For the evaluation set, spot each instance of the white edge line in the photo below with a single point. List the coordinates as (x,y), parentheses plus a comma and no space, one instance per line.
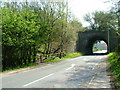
(70,67)
(38,80)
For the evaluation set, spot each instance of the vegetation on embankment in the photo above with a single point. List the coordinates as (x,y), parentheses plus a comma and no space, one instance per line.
(56,59)
(69,55)
(95,50)
(20,67)
(114,59)
(44,28)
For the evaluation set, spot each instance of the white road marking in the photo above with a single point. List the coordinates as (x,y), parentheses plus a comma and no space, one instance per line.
(38,80)
(85,59)
(70,67)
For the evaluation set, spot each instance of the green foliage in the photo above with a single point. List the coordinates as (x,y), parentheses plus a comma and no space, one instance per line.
(52,60)
(94,50)
(114,59)
(100,20)
(71,55)
(56,59)
(20,67)
(31,27)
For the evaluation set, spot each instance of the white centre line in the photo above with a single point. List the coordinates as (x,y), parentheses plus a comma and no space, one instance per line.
(38,80)
(70,67)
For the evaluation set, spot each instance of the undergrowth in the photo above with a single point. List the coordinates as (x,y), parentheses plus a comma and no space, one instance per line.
(20,67)
(56,59)
(72,55)
(114,59)
(69,55)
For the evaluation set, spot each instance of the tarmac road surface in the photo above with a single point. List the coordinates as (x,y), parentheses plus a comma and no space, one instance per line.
(80,72)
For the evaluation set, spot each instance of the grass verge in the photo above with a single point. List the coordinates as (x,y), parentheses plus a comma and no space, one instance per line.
(56,59)
(95,50)
(20,67)
(114,59)
(69,55)
(72,55)
(52,60)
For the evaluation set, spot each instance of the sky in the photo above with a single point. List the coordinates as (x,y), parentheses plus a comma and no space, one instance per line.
(81,7)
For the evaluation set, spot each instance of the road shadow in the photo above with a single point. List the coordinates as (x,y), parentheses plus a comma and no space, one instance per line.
(95,54)
(99,53)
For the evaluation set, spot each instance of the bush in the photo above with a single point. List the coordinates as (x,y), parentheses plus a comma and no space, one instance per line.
(114,59)
(71,55)
(52,60)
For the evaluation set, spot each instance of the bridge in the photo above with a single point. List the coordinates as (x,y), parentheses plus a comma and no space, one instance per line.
(86,40)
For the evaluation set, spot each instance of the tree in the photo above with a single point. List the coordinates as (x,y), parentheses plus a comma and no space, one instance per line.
(115,10)
(31,27)
(101,20)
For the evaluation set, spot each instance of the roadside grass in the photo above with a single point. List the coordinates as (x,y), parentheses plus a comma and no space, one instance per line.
(52,60)
(72,55)
(56,59)
(94,50)
(20,67)
(114,59)
(68,55)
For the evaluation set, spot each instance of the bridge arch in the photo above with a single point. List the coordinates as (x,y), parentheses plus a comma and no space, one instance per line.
(91,42)
(86,40)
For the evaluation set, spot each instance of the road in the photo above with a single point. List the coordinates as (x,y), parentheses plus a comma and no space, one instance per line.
(79,72)
(101,51)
